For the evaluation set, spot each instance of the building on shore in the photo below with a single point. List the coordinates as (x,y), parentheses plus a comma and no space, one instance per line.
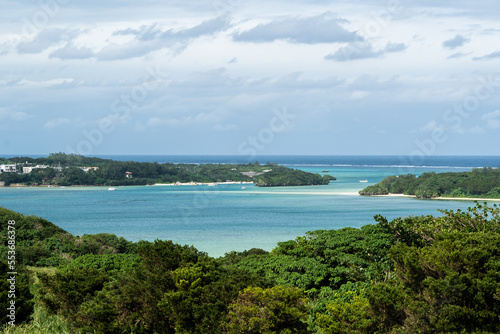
(86,169)
(29,169)
(12,168)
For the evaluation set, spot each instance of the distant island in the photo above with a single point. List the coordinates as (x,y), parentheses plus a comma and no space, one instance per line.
(479,183)
(60,169)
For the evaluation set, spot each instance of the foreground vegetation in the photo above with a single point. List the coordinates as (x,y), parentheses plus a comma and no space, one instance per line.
(411,275)
(480,183)
(113,173)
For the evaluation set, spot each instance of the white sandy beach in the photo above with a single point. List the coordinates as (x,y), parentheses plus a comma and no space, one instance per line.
(323,193)
(201,184)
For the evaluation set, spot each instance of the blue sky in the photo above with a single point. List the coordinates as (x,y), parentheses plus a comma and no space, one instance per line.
(250,77)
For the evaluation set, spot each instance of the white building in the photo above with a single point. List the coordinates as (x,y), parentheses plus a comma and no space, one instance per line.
(8,168)
(29,169)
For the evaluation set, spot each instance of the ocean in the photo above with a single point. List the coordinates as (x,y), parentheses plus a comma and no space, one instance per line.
(226,217)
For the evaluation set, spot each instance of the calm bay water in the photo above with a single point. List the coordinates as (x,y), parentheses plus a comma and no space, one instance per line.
(224,218)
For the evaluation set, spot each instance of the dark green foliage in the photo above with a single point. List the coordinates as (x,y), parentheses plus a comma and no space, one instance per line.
(283,176)
(481,183)
(275,310)
(32,236)
(173,289)
(118,291)
(421,231)
(19,293)
(64,292)
(153,279)
(106,263)
(451,286)
(391,184)
(234,257)
(28,227)
(346,312)
(305,273)
(203,292)
(103,243)
(41,243)
(112,173)
(326,259)
(410,275)
(387,309)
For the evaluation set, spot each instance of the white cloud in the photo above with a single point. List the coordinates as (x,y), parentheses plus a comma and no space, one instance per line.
(325,28)
(225,127)
(6,114)
(455,42)
(149,38)
(431,127)
(458,55)
(47,83)
(45,39)
(355,51)
(55,123)
(476,130)
(193,118)
(488,56)
(492,119)
(157,121)
(358,95)
(260,56)
(71,51)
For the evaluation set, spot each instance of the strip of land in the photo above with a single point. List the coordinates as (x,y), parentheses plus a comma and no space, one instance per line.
(201,183)
(444,198)
(478,185)
(60,169)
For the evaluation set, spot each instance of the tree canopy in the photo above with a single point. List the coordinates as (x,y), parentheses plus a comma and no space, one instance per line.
(113,173)
(420,274)
(480,183)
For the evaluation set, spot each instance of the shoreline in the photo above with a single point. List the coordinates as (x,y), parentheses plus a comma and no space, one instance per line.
(201,183)
(22,185)
(442,198)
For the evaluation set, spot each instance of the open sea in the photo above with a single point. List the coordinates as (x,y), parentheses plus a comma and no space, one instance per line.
(226,217)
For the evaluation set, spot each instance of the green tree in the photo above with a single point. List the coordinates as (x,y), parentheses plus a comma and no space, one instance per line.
(275,310)
(451,286)
(203,293)
(14,288)
(347,313)
(64,292)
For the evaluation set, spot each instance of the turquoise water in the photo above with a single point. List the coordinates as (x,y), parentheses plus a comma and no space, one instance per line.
(224,218)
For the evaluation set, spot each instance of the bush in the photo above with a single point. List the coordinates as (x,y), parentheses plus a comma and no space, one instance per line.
(275,310)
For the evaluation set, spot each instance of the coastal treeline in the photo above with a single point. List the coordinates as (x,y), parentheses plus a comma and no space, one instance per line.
(79,170)
(283,176)
(410,275)
(480,183)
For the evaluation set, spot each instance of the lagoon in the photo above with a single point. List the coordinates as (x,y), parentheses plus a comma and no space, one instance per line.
(226,217)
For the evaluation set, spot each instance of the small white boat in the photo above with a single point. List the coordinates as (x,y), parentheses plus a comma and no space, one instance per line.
(363,181)
(243,187)
(111,188)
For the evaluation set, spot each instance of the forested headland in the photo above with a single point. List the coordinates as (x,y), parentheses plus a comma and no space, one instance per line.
(479,183)
(61,169)
(422,274)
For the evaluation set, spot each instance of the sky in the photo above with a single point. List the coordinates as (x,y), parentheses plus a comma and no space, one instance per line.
(238,77)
